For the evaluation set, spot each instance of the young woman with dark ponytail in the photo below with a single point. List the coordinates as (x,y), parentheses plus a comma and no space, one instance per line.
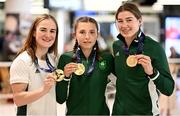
(83,88)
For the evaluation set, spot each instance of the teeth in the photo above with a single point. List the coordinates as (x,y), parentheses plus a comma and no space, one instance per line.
(125,31)
(46,40)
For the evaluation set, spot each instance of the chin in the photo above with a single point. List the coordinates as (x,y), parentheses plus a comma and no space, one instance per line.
(128,36)
(46,46)
(87,47)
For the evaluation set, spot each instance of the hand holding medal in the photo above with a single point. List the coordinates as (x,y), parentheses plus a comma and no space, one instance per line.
(145,61)
(58,74)
(76,68)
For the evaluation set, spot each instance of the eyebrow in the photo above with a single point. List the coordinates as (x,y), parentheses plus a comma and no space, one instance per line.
(125,18)
(45,28)
(42,28)
(129,17)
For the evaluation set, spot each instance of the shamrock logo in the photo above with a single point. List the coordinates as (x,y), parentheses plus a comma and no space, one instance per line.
(102,64)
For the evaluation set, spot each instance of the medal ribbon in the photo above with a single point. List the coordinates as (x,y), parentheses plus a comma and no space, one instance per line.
(50,67)
(140,40)
(91,67)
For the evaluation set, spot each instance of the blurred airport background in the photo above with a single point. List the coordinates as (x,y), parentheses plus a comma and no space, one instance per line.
(161,20)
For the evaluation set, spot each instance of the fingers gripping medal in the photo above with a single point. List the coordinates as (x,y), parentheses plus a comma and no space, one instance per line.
(58,75)
(80,69)
(131,61)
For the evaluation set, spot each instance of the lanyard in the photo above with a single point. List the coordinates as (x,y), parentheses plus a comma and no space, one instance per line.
(50,67)
(91,67)
(140,41)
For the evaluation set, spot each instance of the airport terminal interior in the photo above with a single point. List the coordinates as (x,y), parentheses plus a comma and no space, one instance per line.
(161,20)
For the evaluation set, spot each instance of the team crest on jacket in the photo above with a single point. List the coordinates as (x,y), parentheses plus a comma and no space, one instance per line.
(102,64)
(117,54)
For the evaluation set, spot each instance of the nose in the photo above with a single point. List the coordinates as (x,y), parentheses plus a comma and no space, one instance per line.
(48,34)
(124,24)
(87,36)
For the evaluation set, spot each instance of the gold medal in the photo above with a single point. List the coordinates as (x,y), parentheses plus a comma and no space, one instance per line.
(80,69)
(58,75)
(131,61)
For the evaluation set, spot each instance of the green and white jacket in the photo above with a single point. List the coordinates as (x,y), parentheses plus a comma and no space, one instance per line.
(136,92)
(85,95)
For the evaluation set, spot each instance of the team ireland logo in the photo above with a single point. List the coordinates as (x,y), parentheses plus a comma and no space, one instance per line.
(102,64)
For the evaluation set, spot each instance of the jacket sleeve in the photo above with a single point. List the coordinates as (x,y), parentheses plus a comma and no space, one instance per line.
(62,86)
(111,64)
(114,53)
(163,79)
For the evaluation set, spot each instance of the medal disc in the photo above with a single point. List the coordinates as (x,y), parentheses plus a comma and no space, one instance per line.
(80,69)
(58,74)
(131,61)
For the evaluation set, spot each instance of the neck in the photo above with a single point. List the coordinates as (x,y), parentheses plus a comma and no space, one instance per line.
(129,40)
(41,53)
(87,52)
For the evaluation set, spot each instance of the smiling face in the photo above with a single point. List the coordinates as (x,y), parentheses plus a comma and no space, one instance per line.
(86,35)
(45,34)
(128,25)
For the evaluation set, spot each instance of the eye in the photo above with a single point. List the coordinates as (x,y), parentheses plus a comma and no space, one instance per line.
(92,32)
(119,21)
(42,30)
(53,31)
(82,32)
(129,20)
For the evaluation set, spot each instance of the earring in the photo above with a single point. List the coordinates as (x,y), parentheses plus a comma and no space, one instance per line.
(94,48)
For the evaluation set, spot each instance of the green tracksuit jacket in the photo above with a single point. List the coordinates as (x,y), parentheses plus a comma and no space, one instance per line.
(86,94)
(136,93)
